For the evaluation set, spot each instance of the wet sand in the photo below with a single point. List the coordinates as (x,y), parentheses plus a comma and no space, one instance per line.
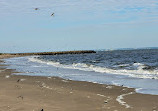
(31,93)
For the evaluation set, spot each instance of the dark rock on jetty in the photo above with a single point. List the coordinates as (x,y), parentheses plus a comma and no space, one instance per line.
(55,53)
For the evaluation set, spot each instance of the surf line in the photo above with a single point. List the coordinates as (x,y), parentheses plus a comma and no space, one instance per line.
(120,98)
(2,70)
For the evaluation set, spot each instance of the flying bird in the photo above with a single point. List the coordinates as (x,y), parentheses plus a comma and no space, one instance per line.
(36,8)
(52,14)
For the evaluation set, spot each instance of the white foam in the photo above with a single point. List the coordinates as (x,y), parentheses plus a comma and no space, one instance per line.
(138,72)
(65,81)
(121,102)
(36,66)
(109,87)
(138,89)
(23,65)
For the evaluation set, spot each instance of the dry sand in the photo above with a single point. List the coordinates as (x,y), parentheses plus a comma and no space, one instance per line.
(26,93)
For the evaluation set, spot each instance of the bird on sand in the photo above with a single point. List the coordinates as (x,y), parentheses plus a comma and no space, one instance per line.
(18,80)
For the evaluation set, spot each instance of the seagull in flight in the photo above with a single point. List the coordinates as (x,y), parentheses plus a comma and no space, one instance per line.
(36,8)
(52,14)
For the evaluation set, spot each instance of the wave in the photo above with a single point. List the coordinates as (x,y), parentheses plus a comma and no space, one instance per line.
(139,70)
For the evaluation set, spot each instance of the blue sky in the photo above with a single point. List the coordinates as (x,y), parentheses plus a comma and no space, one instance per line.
(77,24)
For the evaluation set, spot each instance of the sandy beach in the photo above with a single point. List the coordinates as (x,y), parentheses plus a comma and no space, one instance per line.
(31,93)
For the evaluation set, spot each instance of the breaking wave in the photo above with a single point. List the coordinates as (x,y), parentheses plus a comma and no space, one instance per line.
(138,70)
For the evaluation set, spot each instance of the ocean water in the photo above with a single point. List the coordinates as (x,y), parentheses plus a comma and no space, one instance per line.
(131,68)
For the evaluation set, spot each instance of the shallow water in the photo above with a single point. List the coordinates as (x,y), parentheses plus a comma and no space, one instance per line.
(134,76)
(134,63)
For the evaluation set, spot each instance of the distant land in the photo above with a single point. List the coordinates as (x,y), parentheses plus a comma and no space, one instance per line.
(51,53)
(127,48)
(76,51)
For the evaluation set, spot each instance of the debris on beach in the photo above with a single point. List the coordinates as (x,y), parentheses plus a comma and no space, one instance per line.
(49,77)
(20,80)
(7,76)
(105,102)
(18,87)
(101,95)
(20,97)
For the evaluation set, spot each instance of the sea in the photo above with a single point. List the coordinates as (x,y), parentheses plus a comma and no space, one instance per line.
(136,68)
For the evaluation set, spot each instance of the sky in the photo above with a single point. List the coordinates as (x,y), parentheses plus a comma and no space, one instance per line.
(77,25)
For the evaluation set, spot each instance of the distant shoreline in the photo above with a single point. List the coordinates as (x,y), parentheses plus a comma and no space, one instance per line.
(51,53)
(76,51)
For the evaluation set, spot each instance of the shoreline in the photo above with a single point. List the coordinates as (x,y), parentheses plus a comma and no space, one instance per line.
(57,93)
